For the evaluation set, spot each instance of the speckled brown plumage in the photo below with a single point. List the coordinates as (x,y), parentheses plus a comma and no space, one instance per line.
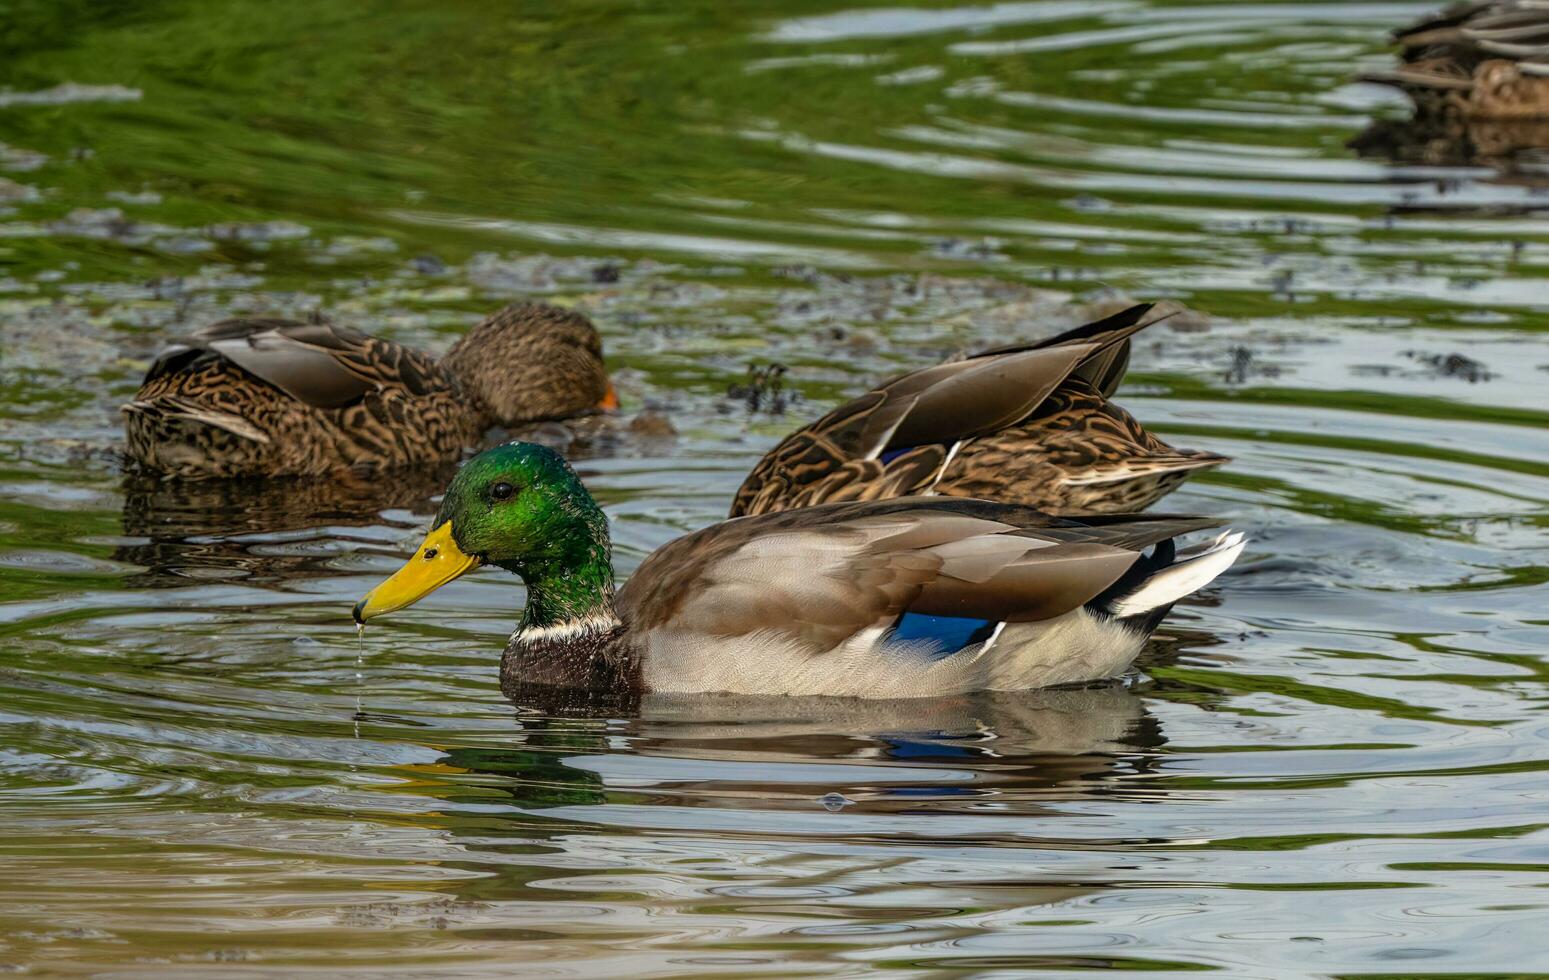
(272,397)
(1028,424)
(531,363)
(1476,60)
(1107,462)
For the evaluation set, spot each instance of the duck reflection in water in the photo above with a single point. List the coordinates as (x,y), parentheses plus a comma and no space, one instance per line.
(263,531)
(731,751)
(266,531)
(576,810)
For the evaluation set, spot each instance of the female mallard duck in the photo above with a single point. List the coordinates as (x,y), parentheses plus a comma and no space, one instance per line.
(881,599)
(1029,424)
(263,397)
(1476,60)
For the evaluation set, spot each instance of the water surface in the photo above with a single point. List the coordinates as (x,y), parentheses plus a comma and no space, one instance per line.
(1331,762)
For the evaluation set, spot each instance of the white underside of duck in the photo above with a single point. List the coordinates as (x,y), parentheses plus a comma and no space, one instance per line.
(1078,646)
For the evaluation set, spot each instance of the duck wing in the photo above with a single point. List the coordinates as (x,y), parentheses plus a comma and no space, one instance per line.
(319,364)
(823,576)
(1104,368)
(897,438)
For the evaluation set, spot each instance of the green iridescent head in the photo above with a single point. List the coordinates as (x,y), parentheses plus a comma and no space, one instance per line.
(519,503)
(522,507)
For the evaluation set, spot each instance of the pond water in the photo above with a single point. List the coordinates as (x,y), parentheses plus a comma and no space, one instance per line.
(1335,761)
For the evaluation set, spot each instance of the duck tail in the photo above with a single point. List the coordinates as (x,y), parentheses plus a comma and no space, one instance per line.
(181,410)
(1147,591)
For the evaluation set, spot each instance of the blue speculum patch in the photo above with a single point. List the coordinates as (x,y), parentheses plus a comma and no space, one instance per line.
(891,454)
(952,632)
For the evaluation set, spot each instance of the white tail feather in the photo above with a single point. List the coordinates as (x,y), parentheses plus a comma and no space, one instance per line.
(1140,469)
(1192,570)
(186,411)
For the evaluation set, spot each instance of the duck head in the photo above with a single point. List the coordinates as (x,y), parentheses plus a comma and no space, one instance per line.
(533,363)
(522,507)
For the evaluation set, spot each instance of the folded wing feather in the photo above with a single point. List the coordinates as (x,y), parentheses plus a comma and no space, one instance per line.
(824,574)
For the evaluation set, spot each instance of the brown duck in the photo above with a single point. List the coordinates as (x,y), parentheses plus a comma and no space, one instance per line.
(271,397)
(1476,60)
(1029,424)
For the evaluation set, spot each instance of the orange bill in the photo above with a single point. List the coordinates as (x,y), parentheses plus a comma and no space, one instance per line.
(610,400)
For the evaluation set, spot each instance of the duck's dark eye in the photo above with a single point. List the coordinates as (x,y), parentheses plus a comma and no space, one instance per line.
(502,491)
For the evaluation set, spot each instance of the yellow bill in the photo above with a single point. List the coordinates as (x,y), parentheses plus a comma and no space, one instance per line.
(437,562)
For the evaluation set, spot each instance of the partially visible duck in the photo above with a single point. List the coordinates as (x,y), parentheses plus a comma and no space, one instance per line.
(1476,60)
(271,397)
(914,597)
(1028,424)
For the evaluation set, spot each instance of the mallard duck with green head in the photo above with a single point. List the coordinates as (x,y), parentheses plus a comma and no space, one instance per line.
(258,396)
(1031,424)
(917,596)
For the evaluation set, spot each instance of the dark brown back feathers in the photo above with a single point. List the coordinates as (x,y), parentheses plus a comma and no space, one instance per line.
(1476,60)
(1028,423)
(258,396)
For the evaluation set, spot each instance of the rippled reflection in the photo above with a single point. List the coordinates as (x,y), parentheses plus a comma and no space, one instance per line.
(262,531)
(1331,763)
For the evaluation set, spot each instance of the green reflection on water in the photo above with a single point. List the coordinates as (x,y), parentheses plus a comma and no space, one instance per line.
(196,763)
